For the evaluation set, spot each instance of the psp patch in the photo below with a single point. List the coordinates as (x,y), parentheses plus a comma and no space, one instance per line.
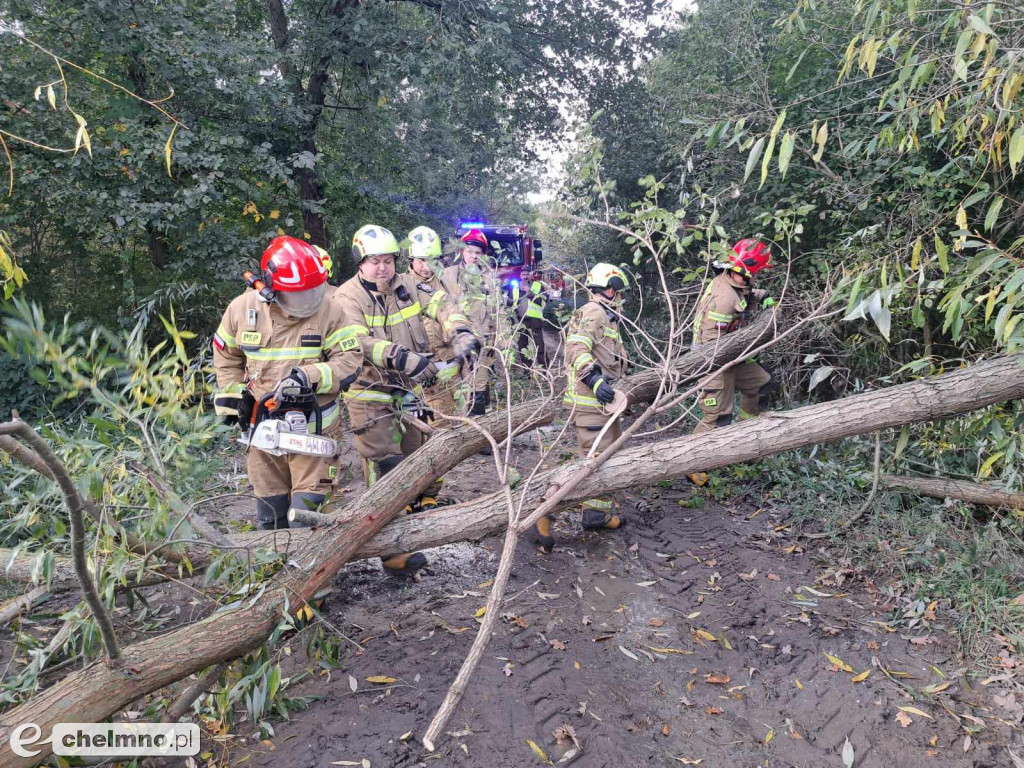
(250,338)
(710,402)
(349,344)
(332,472)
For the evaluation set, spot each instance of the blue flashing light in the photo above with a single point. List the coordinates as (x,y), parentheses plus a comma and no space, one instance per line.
(514,283)
(472,224)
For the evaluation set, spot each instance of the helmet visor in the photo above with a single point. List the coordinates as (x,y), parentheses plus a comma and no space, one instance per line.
(302,303)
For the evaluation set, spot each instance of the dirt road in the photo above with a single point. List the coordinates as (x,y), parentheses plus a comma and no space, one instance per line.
(693,637)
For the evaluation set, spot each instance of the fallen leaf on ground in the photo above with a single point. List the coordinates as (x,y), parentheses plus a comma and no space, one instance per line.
(646,583)
(915,711)
(874,646)
(704,635)
(656,623)
(665,731)
(903,719)
(748,576)
(922,641)
(774,577)
(480,611)
(507,669)
(937,688)
(670,650)
(694,615)
(769,736)
(1018,600)
(513,619)
(381,679)
(550,595)
(861,677)
(712,710)
(630,654)
(577,665)
(540,753)
(848,756)
(567,733)
(405,736)
(715,679)
(353,683)
(558,645)
(688,761)
(568,756)
(798,684)
(839,663)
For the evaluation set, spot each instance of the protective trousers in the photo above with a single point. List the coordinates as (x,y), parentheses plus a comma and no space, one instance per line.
(291,480)
(719,395)
(531,329)
(380,435)
(588,427)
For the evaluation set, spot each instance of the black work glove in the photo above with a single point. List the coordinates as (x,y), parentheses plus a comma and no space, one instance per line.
(602,390)
(245,406)
(297,379)
(348,381)
(465,345)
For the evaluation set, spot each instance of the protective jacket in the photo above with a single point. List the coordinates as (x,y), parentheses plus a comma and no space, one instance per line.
(440,344)
(479,292)
(257,345)
(382,314)
(593,340)
(722,309)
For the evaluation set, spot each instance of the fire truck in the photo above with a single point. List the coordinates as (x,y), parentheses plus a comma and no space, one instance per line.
(516,256)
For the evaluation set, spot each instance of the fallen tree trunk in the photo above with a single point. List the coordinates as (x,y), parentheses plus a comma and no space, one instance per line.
(941,488)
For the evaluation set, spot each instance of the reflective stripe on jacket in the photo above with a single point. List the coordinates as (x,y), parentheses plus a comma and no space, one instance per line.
(257,345)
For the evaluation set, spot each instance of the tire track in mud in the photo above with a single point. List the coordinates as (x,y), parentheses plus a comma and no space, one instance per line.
(647,708)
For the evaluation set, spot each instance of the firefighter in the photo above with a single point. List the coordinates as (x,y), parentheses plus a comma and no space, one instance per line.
(530,318)
(723,308)
(284,337)
(473,277)
(426,269)
(385,312)
(596,359)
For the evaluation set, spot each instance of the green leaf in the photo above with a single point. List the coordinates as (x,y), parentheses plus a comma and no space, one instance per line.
(993,213)
(167,150)
(942,250)
(986,469)
(901,444)
(786,152)
(752,158)
(792,70)
(1016,149)
(915,256)
(979,24)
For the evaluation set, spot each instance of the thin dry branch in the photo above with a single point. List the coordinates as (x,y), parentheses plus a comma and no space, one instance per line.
(76,506)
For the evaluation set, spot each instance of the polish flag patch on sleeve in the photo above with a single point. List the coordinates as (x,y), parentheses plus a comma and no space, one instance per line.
(218,342)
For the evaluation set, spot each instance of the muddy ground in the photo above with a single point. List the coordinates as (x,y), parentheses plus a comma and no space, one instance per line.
(696,636)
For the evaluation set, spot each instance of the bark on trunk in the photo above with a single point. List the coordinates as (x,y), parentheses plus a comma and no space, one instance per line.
(941,488)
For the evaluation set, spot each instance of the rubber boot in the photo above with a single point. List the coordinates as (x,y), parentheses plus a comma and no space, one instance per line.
(272,512)
(595,519)
(406,564)
(304,501)
(542,535)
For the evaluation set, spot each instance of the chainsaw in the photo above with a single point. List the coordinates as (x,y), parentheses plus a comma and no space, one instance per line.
(280,425)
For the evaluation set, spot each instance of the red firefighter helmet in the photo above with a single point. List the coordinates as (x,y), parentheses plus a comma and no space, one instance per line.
(475,237)
(296,273)
(749,256)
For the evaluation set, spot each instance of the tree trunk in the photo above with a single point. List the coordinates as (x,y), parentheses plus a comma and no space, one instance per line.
(941,488)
